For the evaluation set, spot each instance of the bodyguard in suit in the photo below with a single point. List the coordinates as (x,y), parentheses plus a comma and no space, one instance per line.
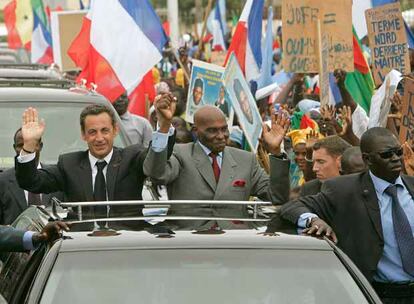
(13,199)
(371,214)
(210,170)
(12,239)
(103,172)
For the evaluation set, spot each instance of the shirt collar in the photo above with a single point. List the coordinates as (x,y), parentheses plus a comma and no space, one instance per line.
(126,116)
(207,150)
(93,160)
(380,185)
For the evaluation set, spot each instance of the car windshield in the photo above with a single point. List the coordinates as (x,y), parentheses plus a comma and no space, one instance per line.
(62,133)
(201,276)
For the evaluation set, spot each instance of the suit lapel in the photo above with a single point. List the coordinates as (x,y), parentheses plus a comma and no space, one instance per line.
(371,202)
(408,185)
(227,173)
(112,173)
(85,177)
(204,166)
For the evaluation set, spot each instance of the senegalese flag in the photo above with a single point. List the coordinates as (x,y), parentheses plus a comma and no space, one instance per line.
(18,17)
(360,83)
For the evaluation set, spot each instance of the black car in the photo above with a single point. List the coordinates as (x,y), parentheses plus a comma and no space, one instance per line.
(157,265)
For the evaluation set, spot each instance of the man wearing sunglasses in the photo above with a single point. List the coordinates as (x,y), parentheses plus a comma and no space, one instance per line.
(371,215)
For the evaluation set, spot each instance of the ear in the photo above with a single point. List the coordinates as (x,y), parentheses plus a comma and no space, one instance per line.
(338,162)
(83,135)
(116,129)
(366,158)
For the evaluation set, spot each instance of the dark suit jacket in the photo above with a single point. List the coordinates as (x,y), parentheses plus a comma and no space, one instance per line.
(311,187)
(13,200)
(73,176)
(350,205)
(11,239)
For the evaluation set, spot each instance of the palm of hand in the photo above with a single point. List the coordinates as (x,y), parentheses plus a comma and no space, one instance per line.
(33,130)
(274,137)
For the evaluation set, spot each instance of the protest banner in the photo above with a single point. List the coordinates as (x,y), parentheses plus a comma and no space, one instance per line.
(407,119)
(381,101)
(65,27)
(300,35)
(206,88)
(387,40)
(243,102)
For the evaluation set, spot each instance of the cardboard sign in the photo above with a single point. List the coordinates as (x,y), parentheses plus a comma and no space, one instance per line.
(243,102)
(387,40)
(407,120)
(206,88)
(65,27)
(300,35)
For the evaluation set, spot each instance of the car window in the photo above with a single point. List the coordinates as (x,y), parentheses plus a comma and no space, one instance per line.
(201,276)
(62,133)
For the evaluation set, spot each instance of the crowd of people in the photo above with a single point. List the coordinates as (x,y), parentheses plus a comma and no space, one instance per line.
(330,175)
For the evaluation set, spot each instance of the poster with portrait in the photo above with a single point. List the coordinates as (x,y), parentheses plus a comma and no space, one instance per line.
(243,102)
(206,88)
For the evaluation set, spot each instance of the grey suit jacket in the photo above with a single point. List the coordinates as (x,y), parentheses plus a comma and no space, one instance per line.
(188,175)
(11,239)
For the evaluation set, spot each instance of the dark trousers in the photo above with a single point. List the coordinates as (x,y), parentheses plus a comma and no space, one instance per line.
(398,300)
(395,293)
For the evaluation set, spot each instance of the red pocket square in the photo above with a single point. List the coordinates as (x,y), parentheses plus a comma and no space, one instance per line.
(239,183)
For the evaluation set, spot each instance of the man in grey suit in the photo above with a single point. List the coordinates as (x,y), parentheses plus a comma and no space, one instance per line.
(210,170)
(12,239)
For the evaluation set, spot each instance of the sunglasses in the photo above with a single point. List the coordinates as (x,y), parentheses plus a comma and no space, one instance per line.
(389,153)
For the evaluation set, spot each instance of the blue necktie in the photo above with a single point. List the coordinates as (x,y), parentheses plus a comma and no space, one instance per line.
(402,231)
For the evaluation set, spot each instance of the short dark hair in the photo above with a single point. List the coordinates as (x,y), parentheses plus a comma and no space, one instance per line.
(95,109)
(15,135)
(333,144)
(370,135)
(198,83)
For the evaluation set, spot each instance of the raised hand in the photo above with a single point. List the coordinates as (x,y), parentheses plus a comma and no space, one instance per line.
(311,138)
(346,117)
(340,76)
(32,129)
(165,105)
(328,112)
(272,138)
(408,157)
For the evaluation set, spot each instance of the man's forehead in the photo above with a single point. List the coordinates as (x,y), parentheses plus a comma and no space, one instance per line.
(384,142)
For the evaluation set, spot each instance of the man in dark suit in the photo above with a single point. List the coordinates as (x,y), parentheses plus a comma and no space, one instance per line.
(371,214)
(12,239)
(326,156)
(101,173)
(210,170)
(13,199)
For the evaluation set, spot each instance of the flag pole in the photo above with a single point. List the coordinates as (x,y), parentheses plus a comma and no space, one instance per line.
(203,31)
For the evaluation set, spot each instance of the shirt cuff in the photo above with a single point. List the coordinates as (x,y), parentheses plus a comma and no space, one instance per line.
(27,240)
(304,217)
(160,140)
(26,158)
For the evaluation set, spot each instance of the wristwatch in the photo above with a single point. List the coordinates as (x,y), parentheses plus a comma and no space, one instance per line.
(309,221)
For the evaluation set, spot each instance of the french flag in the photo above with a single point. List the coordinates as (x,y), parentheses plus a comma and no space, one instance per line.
(42,51)
(218,26)
(247,38)
(119,42)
